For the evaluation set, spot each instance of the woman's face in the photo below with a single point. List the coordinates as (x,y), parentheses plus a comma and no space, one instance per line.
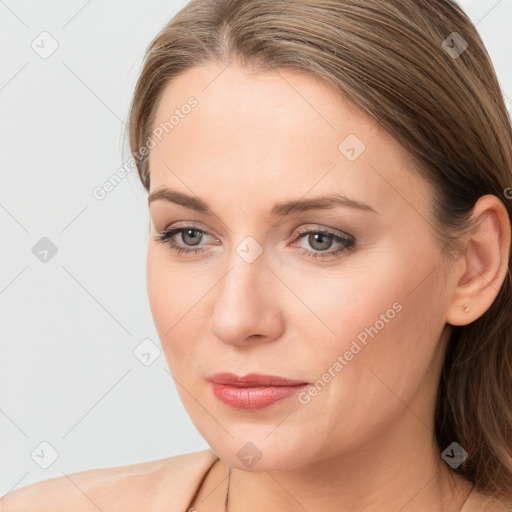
(360,318)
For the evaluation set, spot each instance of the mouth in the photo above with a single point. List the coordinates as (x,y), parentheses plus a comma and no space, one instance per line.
(253,391)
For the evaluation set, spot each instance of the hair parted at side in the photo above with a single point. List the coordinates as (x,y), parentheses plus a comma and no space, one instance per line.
(387,58)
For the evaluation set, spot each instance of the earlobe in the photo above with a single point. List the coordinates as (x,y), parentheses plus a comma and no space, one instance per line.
(482,269)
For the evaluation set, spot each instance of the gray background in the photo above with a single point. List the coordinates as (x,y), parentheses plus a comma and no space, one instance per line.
(72,320)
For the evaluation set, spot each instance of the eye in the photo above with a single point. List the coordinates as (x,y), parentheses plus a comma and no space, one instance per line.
(189,234)
(319,239)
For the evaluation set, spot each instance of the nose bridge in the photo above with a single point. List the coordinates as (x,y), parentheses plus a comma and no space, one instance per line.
(244,303)
(238,291)
(245,258)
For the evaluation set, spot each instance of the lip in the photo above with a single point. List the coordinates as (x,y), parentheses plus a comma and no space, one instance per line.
(253,380)
(253,391)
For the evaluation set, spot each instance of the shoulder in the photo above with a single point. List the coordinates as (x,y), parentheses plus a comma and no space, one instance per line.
(163,484)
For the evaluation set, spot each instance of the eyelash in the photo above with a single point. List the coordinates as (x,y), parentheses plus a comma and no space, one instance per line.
(348,244)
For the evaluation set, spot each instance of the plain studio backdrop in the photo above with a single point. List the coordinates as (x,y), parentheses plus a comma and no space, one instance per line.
(84,383)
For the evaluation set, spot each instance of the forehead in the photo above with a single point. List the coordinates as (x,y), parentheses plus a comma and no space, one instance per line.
(237,105)
(280,133)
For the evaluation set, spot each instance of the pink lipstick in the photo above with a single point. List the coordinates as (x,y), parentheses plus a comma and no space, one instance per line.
(253,391)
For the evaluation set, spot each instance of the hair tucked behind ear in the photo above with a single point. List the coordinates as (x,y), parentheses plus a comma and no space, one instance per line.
(388,58)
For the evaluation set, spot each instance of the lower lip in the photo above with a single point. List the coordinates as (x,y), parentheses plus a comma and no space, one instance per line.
(251,398)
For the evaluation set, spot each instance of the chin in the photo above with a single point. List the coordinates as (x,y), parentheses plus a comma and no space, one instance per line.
(261,452)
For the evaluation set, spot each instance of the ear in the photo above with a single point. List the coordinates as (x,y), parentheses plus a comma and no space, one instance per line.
(480,272)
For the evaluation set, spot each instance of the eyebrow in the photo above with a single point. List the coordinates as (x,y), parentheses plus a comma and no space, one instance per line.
(278,210)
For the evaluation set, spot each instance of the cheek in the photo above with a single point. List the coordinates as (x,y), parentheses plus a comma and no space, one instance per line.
(181,305)
(386,318)
(169,294)
(160,288)
(374,313)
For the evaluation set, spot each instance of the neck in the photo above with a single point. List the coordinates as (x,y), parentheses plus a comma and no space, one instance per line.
(386,475)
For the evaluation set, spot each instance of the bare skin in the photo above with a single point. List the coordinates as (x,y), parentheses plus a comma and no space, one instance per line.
(365,441)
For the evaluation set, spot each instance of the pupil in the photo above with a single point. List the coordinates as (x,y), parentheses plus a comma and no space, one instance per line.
(187,233)
(320,236)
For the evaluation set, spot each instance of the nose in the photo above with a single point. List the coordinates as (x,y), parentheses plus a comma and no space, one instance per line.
(247,305)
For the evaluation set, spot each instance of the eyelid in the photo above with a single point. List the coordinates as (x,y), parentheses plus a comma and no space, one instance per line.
(347,242)
(322,228)
(295,234)
(190,225)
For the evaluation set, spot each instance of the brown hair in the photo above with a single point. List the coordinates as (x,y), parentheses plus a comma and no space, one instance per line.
(396,61)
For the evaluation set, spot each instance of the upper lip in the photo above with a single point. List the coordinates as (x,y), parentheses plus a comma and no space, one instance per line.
(253,379)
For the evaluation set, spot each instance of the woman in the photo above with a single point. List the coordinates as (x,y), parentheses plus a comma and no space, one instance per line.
(328,264)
